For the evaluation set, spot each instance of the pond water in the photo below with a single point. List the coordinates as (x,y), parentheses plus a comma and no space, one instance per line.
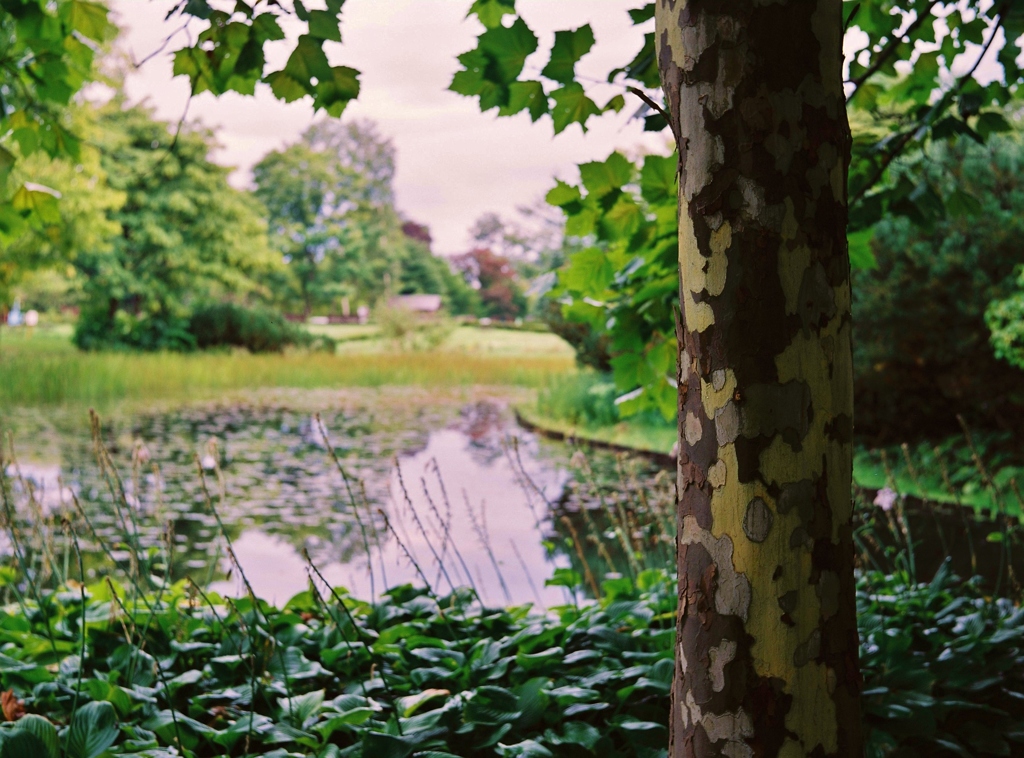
(441,488)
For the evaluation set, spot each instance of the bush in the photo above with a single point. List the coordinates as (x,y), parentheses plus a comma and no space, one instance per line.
(98,329)
(259,330)
(921,344)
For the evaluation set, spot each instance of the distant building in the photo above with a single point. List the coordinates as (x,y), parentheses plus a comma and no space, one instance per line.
(425,304)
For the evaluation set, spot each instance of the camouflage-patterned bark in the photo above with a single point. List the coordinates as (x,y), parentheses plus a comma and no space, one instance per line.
(767,636)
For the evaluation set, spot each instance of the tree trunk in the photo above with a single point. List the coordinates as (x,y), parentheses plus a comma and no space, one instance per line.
(766,660)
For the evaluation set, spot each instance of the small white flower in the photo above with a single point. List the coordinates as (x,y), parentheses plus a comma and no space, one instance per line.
(886,498)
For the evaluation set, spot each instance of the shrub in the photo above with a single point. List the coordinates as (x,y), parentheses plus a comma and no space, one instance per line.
(259,330)
(99,329)
(921,344)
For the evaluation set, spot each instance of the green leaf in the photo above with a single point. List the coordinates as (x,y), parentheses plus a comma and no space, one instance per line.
(525,749)
(528,95)
(642,14)
(410,704)
(300,708)
(572,106)
(569,47)
(324,25)
(562,194)
(307,61)
(90,20)
(337,91)
(381,745)
(862,257)
(991,122)
(7,161)
(45,731)
(19,743)
(658,178)
(286,87)
(491,12)
(601,177)
(491,705)
(577,733)
(93,729)
(507,49)
(40,202)
(962,204)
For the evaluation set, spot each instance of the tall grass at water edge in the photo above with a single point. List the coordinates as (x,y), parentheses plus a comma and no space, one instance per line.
(144,666)
(98,378)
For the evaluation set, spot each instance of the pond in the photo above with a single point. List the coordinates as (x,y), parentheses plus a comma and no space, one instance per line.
(442,488)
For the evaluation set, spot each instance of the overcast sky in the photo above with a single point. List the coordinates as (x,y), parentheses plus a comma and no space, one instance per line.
(454,163)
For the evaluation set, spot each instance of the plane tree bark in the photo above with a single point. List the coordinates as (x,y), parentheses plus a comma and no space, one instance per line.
(766,660)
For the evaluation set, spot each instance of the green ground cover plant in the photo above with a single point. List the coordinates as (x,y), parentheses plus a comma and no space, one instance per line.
(135,665)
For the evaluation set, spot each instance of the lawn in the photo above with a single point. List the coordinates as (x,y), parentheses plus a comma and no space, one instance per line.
(44,368)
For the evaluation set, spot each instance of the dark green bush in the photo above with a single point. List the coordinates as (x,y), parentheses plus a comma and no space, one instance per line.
(921,345)
(259,330)
(99,329)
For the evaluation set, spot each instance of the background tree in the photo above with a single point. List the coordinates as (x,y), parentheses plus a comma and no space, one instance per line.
(494,278)
(332,215)
(183,235)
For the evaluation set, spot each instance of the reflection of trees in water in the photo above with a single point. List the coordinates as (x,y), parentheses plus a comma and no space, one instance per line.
(275,476)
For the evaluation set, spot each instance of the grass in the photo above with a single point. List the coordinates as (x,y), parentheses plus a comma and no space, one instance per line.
(44,369)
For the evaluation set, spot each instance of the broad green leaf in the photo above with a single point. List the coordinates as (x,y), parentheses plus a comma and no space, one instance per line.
(576,733)
(93,729)
(307,61)
(491,12)
(286,87)
(324,25)
(410,704)
(491,705)
(44,731)
(572,106)
(90,20)
(658,178)
(991,122)
(334,93)
(961,203)
(601,177)
(562,194)
(381,745)
(529,96)
(300,708)
(589,271)
(642,14)
(525,749)
(861,255)
(507,49)
(18,743)
(7,161)
(38,201)
(569,47)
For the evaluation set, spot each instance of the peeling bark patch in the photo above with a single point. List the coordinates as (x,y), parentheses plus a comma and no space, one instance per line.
(758,520)
(809,650)
(718,657)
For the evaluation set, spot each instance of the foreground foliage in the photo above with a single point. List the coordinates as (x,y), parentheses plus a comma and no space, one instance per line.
(183,673)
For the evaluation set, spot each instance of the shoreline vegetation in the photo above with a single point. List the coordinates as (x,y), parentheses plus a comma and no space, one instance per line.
(140,665)
(44,369)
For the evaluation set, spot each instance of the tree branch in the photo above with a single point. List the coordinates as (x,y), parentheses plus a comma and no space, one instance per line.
(650,103)
(886,53)
(939,106)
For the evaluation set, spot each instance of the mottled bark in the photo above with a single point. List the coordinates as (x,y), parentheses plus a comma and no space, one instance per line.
(766,659)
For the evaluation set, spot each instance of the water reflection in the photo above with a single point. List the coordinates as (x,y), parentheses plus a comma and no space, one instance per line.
(460,510)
